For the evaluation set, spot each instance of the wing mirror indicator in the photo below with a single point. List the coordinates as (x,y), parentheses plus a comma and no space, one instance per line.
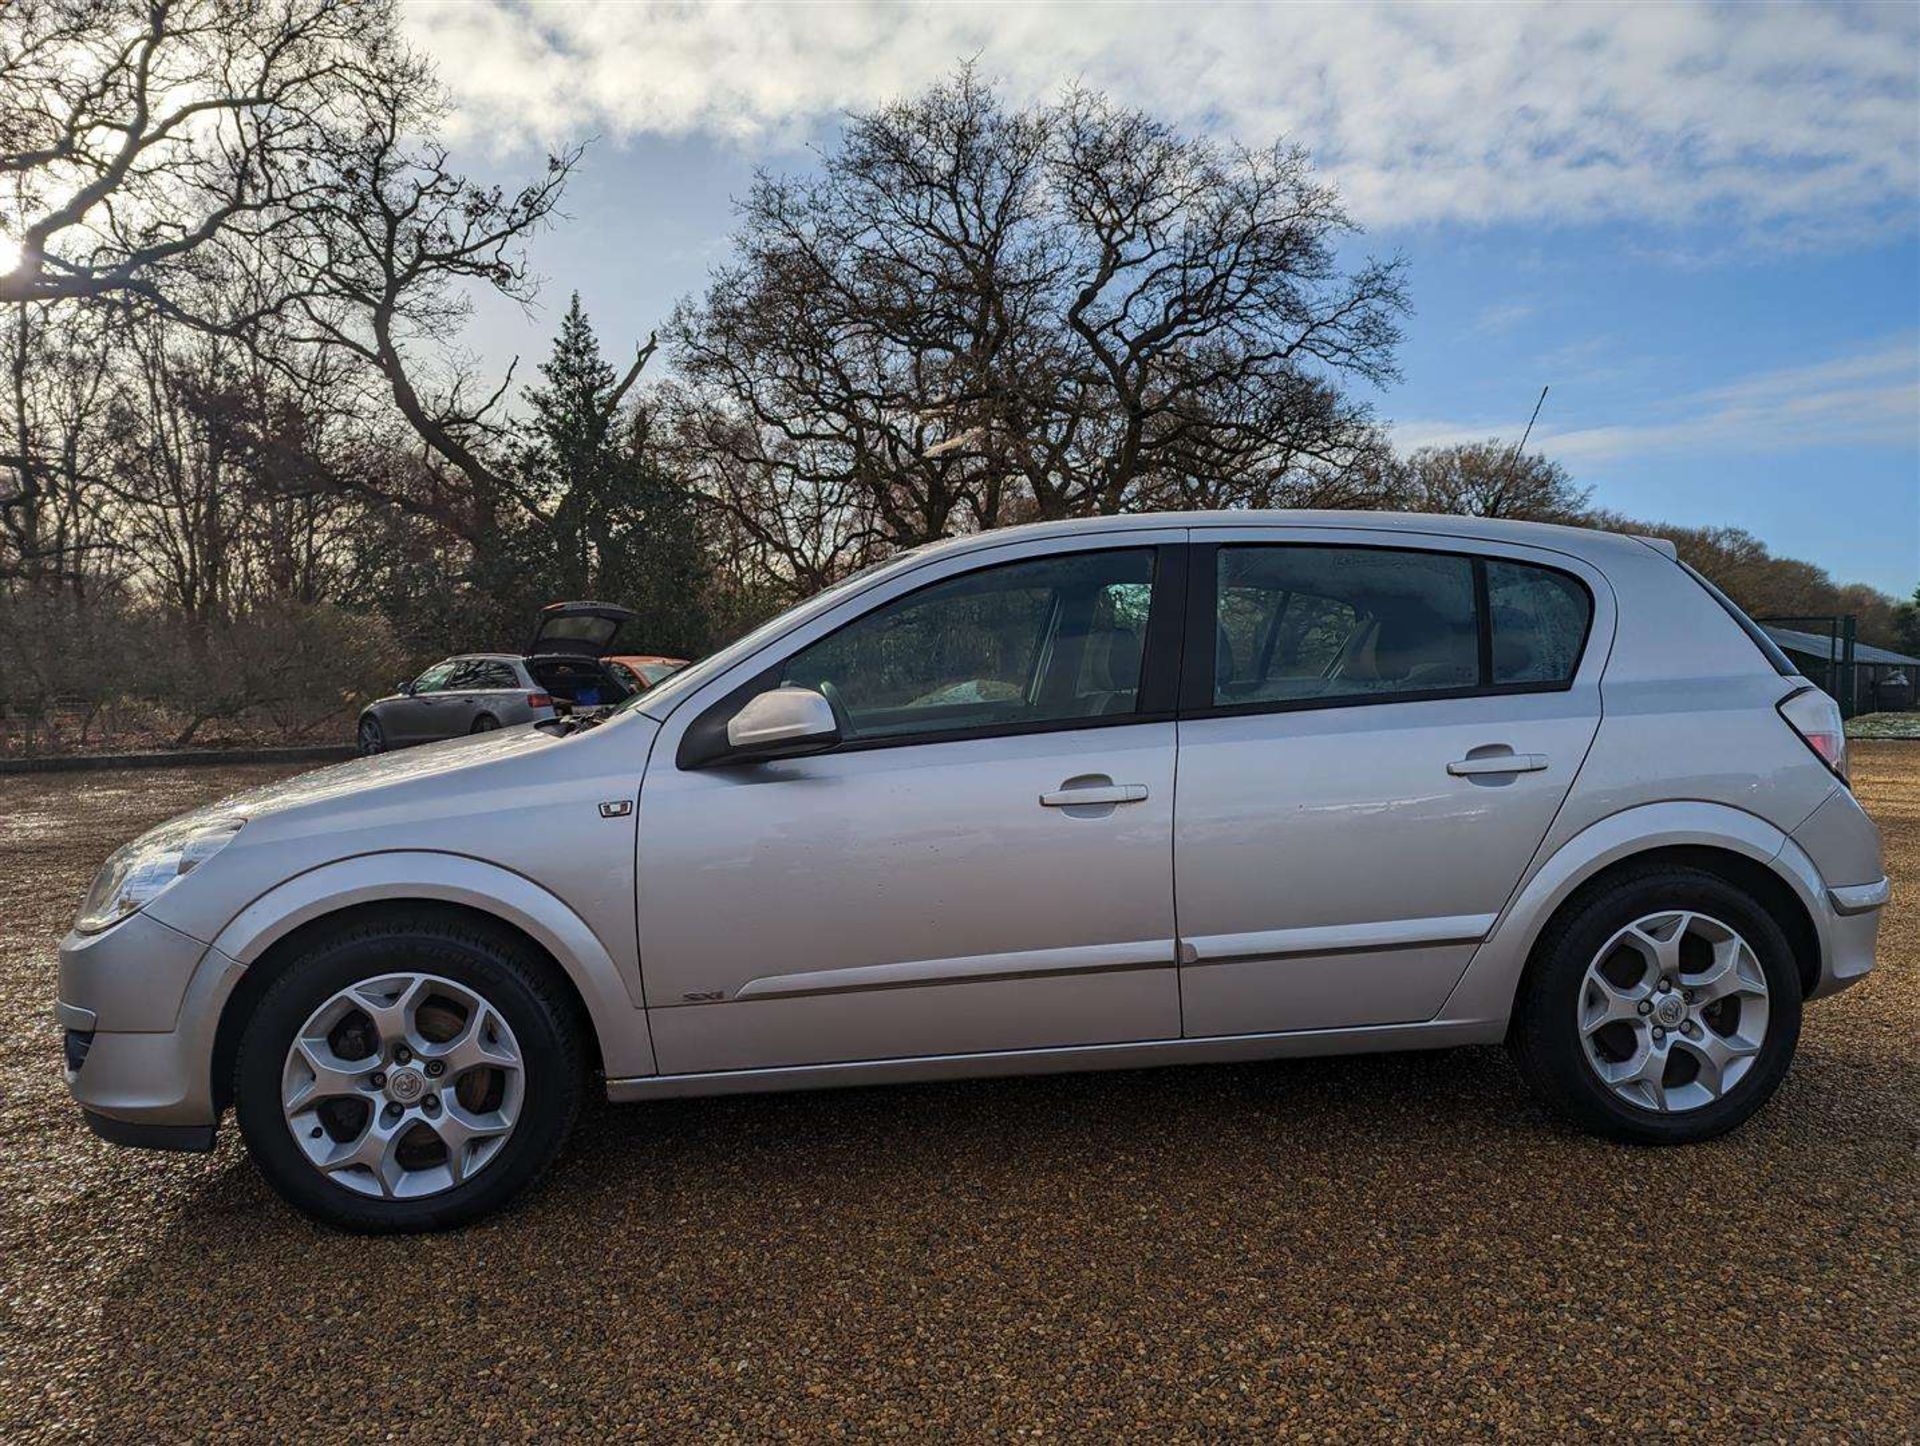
(782,723)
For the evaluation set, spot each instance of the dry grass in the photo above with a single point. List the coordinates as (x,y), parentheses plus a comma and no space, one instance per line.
(1355,1248)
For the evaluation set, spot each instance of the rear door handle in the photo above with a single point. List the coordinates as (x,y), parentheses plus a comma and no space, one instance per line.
(1112,793)
(1498,763)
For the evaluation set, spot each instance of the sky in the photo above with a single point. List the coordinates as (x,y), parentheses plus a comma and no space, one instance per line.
(1698,224)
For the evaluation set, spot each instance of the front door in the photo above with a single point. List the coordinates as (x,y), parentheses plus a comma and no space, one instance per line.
(414,718)
(983,864)
(1373,742)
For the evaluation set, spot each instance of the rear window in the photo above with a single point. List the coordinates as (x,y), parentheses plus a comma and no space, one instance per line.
(1782,664)
(1301,624)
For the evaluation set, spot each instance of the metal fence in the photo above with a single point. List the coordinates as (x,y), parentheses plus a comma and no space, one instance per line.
(1859,677)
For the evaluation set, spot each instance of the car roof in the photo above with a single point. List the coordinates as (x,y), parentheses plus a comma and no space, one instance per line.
(485,658)
(1583,542)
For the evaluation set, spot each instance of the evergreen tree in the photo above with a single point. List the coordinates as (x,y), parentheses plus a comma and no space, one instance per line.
(618,526)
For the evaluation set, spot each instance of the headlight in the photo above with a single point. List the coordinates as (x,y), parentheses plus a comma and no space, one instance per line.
(139,871)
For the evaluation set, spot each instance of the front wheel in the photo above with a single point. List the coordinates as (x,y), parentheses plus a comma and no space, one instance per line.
(1664,1009)
(407,1074)
(370,738)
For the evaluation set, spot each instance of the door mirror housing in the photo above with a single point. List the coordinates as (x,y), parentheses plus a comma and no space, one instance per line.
(405,690)
(781,723)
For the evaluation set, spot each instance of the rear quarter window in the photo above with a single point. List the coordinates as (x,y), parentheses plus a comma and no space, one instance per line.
(1539,620)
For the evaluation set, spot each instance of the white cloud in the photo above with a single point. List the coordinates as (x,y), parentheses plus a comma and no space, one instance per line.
(1503,316)
(1868,397)
(1796,121)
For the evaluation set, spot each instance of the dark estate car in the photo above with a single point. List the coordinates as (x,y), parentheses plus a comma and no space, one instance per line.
(562,672)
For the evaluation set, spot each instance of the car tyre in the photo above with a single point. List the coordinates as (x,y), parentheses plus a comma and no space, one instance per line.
(485,723)
(1562,1059)
(465,959)
(370,737)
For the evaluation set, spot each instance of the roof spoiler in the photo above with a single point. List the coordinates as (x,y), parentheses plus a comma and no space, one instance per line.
(1661,545)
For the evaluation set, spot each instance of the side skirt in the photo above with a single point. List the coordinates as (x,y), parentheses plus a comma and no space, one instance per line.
(1144,1054)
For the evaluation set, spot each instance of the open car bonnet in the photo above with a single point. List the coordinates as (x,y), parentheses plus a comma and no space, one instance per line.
(581,629)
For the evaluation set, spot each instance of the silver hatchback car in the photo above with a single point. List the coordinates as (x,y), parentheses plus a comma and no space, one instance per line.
(1086,795)
(563,673)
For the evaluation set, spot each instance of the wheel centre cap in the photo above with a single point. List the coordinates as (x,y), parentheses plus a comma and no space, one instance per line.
(1670,1010)
(404,1086)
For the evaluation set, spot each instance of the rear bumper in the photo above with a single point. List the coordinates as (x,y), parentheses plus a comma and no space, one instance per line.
(1836,853)
(1849,929)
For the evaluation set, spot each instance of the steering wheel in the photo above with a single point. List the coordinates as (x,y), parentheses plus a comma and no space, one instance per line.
(835,702)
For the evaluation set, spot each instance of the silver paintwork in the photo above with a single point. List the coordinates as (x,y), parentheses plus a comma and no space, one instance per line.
(1640,986)
(948,908)
(410,1086)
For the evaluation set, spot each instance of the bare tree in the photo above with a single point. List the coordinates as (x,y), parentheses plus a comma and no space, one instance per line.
(387,259)
(141,138)
(54,441)
(1488,479)
(974,315)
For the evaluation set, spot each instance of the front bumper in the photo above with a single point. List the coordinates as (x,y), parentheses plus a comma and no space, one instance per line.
(140,1004)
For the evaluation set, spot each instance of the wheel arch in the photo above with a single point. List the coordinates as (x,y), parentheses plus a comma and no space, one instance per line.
(272,931)
(1740,847)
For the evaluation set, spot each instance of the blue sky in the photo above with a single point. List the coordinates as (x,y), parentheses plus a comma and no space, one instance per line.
(1700,225)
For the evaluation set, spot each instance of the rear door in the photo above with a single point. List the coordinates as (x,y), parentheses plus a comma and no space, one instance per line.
(497,693)
(1373,741)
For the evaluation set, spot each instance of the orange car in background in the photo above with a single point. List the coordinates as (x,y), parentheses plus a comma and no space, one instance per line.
(640,671)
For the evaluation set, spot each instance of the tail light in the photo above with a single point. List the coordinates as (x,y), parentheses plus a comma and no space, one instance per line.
(539,700)
(1816,718)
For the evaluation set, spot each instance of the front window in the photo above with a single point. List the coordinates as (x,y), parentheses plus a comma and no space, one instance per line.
(1045,640)
(435,679)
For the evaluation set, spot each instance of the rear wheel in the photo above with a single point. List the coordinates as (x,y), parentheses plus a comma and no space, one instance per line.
(407,1075)
(1664,1009)
(485,723)
(370,737)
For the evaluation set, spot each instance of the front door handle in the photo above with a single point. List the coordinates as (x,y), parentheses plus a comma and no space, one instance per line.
(1111,793)
(1498,763)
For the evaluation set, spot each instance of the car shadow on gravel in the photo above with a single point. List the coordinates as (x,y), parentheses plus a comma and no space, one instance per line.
(728,1260)
(696,1198)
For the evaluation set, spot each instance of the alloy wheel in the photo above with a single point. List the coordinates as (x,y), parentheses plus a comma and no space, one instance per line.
(403,1086)
(1673,1011)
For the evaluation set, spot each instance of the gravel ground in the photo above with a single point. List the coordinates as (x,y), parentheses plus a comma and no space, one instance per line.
(1350,1248)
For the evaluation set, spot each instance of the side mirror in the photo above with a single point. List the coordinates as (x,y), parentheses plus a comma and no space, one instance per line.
(405,690)
(782,723)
